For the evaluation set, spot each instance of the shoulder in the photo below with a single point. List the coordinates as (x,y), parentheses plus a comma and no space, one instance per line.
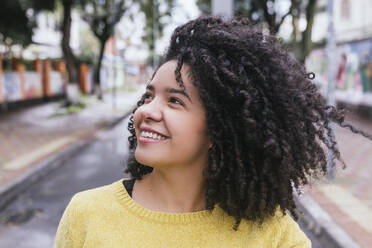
(279,230)
(85,209)
(288,232)
(93,194)
(94,199)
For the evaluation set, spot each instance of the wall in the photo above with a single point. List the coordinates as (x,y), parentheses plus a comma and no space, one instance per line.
(18,85)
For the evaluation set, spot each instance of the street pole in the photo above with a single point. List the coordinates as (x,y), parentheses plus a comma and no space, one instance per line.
(331,49)
(115,70)
(155,31)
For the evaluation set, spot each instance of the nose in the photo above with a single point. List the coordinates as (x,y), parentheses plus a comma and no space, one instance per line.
(151,111)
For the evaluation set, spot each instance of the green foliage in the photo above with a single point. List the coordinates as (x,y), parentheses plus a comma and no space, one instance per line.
(40,5)
(6,65)
(15,26)
(74,109)
(102,16)
(28,64)
(264,14)
(17,20)
(204,6)
(66,108)
(157,13)
(257,11)
(89,45)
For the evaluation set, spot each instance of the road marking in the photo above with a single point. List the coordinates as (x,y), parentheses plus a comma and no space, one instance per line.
(356,209)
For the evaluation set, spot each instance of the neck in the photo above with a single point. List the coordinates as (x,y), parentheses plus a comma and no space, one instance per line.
(171,192)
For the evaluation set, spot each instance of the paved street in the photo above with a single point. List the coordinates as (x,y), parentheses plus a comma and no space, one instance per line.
(36,213)
(33,133)
(34,216)
(348,198)
(51,149)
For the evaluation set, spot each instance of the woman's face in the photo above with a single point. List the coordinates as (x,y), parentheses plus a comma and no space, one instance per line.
(171,125)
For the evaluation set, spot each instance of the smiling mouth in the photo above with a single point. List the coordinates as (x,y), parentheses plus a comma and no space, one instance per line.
(150,137)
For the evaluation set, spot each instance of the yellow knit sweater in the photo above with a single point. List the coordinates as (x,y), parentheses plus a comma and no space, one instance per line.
(107,217)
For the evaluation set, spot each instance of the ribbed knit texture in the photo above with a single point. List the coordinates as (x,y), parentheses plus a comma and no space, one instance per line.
(109,217)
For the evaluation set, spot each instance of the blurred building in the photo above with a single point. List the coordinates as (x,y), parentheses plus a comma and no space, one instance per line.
(353,34)
(352,20)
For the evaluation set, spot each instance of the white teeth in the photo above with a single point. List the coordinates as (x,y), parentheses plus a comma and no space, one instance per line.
(151,135)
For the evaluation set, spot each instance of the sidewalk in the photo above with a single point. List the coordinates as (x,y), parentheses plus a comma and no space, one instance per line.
(340,211)
(31,139)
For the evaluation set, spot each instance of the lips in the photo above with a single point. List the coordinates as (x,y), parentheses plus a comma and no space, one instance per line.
(150,140)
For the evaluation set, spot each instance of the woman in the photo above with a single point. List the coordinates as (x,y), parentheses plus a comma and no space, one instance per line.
(229,126)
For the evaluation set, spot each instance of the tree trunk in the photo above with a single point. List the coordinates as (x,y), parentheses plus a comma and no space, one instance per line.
(306,42)
(152,49)
(270,18)
(97,73)
(68,55)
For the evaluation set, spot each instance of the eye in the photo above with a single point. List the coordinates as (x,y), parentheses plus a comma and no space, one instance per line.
(175,101)
(147,97)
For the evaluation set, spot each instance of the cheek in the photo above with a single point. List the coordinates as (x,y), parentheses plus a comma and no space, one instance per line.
(201,130)
(192,127)
(137,116)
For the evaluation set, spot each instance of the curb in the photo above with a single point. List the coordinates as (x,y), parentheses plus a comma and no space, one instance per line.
(10,191)
(321,224)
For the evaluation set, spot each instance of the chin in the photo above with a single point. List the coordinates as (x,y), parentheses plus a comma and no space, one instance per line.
(146,159)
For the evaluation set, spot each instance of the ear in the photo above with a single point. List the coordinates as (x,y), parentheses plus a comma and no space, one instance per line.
(210,145)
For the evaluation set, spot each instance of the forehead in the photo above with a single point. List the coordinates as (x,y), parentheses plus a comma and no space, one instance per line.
(166,76)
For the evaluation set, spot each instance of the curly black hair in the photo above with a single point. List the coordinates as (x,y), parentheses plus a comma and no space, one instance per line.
(268,123)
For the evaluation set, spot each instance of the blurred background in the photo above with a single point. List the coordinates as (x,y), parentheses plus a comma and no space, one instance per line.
(71,72)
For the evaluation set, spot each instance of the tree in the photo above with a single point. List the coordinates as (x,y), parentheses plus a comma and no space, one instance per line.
(17,20)
(155,13)
(15,27)
(68,55)
(102,16)
(264,12)
(306,42)
(70,59)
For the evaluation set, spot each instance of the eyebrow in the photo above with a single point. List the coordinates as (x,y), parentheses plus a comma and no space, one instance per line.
(170,90)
